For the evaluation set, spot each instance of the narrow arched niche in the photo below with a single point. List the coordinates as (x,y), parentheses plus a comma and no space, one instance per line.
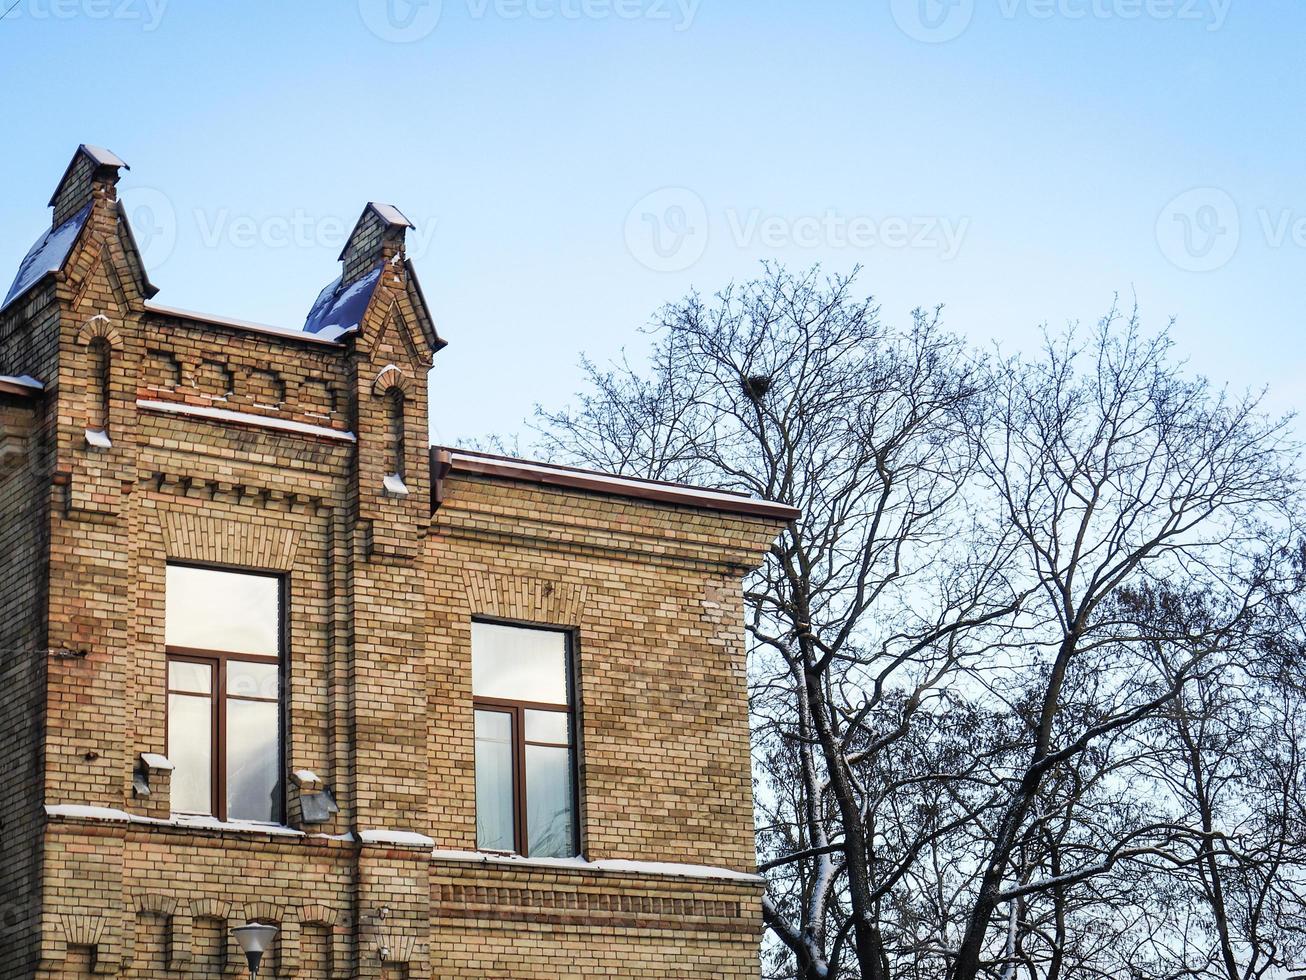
(394,407)
(100,357)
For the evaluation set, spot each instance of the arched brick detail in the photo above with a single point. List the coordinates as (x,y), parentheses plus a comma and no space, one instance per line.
(164,905)
(201,538)
(319,915)
(518,597)
(96,328)
(80,929)
(263,912)
(210,908)
(391,376)
(399,946)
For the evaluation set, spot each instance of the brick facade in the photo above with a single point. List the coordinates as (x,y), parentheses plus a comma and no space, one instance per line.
(132,435)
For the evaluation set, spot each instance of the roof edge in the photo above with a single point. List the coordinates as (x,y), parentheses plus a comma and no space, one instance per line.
(285,333)
(594,481)
(98,155)
(22,386)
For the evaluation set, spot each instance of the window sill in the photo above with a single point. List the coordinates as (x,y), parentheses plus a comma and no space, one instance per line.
(180,821)
(658,868)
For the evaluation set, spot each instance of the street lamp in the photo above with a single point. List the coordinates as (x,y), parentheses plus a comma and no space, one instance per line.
(254,940)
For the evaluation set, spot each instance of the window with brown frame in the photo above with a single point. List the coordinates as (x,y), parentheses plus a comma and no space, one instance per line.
(525,740)
(223,631)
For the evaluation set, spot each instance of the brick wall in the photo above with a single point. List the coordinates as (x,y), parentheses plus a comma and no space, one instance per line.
(22,677)
(240,447)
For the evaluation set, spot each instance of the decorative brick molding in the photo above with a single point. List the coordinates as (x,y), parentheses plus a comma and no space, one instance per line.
(394,946)
(81,929)
(602,909)
(391,376)
(210,908)
(199,538)
(523,598)
(99,327)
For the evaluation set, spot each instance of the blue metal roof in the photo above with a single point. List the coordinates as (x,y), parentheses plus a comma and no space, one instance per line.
(339,310)
(46,256)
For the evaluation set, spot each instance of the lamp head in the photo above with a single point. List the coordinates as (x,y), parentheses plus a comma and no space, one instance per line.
(254,940)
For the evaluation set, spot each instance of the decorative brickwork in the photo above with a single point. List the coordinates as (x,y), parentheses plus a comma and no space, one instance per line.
(161,436)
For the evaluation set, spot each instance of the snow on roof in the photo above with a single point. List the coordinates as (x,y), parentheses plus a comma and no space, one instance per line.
(338,309)
(103,157)
(295,333)
(246,418)
(22,381)
(390,214)
(572,477)
(46,256)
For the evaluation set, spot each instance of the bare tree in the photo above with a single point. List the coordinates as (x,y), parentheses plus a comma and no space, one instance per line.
(958,681)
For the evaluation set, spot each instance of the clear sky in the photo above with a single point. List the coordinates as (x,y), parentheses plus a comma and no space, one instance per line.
(572,164)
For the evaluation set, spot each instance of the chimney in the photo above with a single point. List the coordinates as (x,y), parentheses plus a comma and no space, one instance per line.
(378,237)
(92,175)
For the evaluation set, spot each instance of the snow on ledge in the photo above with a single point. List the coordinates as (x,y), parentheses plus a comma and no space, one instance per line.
(245,418)
(182,821)
(610,867)
(402,838)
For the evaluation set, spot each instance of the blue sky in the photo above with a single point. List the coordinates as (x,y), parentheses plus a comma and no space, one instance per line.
(573,164)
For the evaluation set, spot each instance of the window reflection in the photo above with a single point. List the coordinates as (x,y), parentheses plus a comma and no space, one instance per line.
(252,785)
(525,758)
(223,631)
(190,722)
(209,609)
(519,664)
(548,801)
(495,829)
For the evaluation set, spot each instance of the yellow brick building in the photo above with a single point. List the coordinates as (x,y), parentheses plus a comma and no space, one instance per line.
(268,658)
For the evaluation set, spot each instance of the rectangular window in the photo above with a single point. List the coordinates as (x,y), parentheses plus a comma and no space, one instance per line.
(525,740)
(223,633)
